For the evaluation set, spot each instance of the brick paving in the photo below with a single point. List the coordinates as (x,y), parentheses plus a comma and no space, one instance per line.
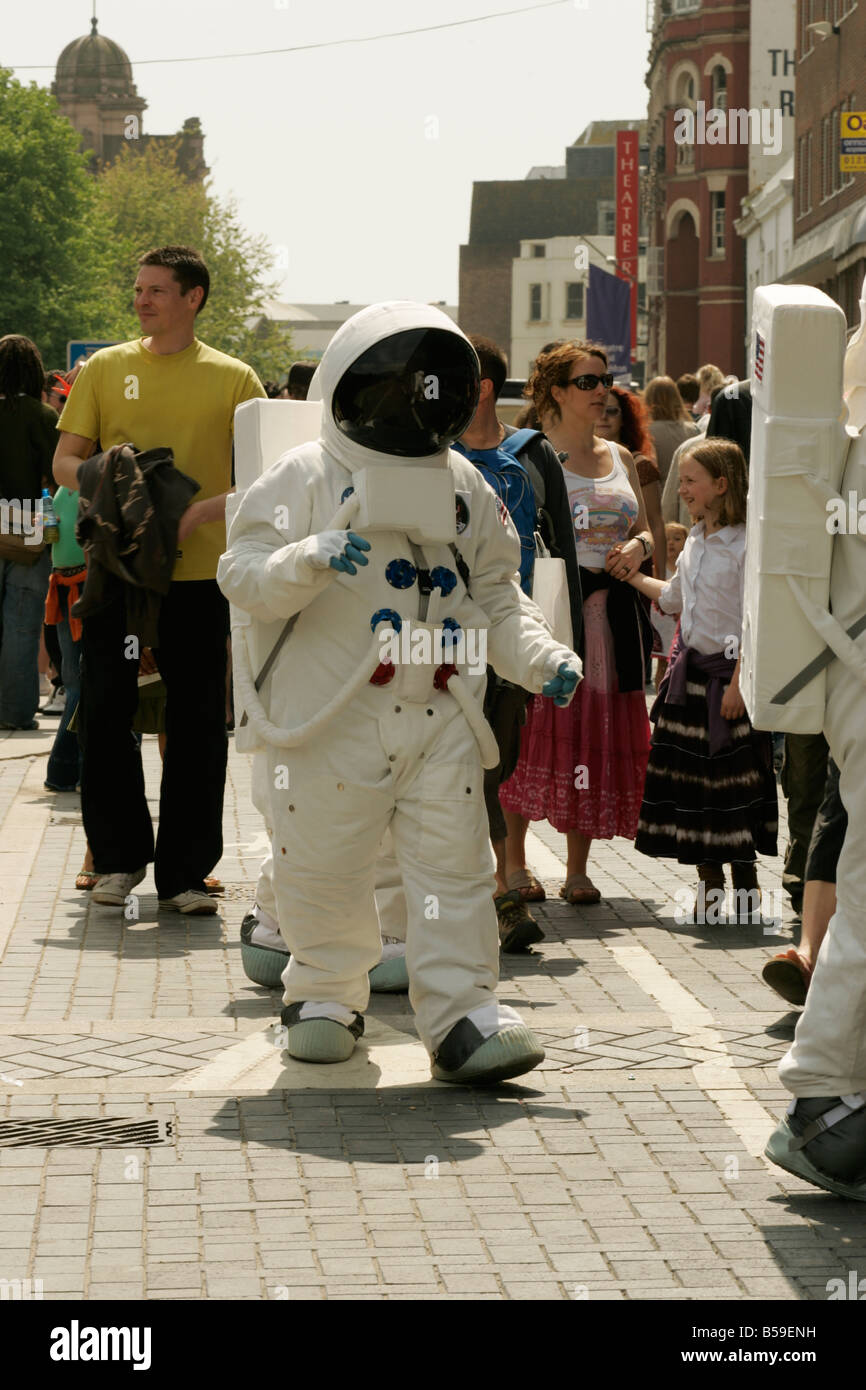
(627,1167)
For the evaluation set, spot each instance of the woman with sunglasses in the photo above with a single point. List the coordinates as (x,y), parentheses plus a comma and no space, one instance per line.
(583,768)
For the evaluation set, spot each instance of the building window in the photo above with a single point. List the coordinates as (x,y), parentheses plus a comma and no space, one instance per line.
(685,87)
(606,217)
(720,88)
(826,157)
(574,300)
(804,175)
(534,303)
(717,224)
(538,249)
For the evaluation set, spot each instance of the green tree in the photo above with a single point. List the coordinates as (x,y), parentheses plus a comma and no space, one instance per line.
(144,199)
(49,266)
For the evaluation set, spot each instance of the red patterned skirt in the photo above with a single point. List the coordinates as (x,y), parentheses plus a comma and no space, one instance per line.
(583,768)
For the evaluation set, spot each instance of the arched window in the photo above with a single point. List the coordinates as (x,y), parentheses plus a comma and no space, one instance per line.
(720,88)
(686,88)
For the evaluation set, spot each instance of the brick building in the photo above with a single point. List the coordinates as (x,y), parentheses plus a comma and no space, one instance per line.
(829,207)
(572,200)
(698,62)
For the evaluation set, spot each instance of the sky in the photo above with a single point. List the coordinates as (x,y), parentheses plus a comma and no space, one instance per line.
(357,161)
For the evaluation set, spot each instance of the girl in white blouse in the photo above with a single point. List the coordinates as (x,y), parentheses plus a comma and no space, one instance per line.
(710,793)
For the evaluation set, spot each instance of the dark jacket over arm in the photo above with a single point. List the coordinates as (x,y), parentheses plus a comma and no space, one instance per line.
(129,512)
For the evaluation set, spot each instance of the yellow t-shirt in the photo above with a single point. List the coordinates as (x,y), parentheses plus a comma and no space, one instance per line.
(183,400)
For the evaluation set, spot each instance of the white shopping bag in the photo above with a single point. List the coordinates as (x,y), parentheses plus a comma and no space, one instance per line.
(550,592)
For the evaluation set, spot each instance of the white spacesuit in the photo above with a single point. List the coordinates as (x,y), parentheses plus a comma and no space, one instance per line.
(823,1136)
(368,722)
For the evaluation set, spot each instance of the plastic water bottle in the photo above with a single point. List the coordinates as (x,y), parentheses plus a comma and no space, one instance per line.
(50,529)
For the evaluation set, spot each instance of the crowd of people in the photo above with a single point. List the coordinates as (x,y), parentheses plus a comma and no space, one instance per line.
(642,494)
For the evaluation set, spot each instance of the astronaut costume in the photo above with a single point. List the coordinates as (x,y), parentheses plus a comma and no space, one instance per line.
(367,726)
(822,1138)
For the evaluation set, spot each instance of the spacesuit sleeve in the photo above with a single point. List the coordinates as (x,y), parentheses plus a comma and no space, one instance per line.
(261,572)
(519,645)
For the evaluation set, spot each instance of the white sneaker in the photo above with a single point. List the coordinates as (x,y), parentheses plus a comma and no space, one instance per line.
(114,889)
(57,703)
(192,902)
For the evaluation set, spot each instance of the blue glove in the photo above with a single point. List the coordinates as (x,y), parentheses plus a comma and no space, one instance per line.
(341,550)
(562,686)
(352,555)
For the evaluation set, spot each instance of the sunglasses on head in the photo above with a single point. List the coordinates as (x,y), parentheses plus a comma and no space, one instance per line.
(588,381)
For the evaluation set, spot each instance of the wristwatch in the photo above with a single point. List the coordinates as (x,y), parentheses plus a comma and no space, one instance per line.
(647,546)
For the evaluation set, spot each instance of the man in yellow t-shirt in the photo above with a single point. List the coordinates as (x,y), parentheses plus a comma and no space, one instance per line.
(165,389)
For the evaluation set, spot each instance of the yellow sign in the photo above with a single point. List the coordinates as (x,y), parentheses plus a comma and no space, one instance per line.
(852,143)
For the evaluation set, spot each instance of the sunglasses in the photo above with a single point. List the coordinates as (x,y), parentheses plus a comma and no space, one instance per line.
(588,381)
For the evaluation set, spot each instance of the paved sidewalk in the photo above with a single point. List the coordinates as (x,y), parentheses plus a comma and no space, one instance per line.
(154,1142)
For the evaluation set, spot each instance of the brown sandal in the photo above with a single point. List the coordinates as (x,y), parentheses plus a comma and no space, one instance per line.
(789,975)
(214,886)
(86,879)
(578,890)
(527,886)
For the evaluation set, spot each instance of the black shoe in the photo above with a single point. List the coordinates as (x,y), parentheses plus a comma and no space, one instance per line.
(824,1141)
(518,928)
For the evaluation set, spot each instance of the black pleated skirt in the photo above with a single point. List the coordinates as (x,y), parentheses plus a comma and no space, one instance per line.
(703,809)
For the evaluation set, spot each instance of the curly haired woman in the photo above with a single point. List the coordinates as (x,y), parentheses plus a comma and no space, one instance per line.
(583,768)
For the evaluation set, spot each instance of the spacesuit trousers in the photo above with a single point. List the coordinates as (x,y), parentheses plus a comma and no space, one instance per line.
(389,895)
(416,769)
(828,1055)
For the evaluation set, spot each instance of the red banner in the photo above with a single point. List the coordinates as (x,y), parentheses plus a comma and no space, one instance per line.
(628,217)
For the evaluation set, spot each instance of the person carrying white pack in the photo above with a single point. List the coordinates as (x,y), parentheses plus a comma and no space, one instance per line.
(369,721)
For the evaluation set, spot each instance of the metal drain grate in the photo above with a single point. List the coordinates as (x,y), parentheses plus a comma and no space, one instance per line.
(84,1133)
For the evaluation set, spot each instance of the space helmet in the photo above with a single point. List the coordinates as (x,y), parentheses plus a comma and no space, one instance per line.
(404,381)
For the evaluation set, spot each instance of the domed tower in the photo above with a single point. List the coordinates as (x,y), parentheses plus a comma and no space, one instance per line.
(95,91)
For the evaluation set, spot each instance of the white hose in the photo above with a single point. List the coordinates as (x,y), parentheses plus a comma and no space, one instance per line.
(486,739)
(257,715)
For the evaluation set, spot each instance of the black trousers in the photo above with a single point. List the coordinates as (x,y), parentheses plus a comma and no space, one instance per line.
(191,655)
(828,836)
(804,773)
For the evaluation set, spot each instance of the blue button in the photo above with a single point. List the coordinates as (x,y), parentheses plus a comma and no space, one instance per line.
(401,574)
(444,579)
(386,615)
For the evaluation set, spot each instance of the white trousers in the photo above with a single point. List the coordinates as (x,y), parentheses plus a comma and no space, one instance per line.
(408,767)
(388,885)
(828,1055)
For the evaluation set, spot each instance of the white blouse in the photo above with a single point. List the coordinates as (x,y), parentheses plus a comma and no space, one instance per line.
(707,589)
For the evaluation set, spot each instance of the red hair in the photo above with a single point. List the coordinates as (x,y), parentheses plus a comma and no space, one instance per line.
(634,430)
